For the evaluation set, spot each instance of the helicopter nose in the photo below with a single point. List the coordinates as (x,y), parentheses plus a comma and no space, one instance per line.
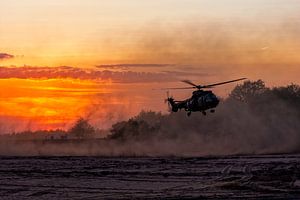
(212,101)
(216,102)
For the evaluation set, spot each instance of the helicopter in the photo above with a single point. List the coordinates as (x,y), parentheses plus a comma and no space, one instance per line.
(200,101)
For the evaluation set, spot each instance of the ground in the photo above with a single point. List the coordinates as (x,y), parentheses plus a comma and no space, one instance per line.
(237,177)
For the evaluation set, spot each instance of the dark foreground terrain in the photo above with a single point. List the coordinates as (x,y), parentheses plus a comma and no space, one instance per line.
(242,177)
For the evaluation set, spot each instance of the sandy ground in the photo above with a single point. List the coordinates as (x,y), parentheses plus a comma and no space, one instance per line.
(239,177)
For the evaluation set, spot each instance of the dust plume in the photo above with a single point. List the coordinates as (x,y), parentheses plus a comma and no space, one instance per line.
(254,119)
(257,47)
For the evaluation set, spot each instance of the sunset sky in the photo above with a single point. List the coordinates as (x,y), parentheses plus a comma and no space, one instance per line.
(64,59)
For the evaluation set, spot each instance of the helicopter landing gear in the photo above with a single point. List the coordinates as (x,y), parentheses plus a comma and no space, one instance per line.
(189,113)
(204,113)
(212,111)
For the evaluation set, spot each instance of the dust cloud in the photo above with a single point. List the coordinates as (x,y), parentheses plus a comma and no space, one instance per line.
(254,119)
(225,49)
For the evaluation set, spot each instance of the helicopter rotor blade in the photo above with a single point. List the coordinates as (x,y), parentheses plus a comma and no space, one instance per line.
(221,83)
(169,107)
(190,83)
(201,86)
(167,101)
(178,88)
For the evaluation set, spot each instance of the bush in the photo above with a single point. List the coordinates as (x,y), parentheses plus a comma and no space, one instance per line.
(82,129)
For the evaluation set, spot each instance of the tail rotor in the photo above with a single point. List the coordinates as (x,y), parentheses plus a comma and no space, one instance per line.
(168,100)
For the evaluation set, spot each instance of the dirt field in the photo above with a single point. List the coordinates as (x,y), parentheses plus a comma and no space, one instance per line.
(238,177)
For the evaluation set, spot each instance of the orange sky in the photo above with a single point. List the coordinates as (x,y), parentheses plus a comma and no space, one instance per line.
(153,43)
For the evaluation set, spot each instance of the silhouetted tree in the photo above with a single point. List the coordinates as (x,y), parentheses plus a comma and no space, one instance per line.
(151,117)
(248,91)
(118,129)
(290,92)
(264,112)
(144,125)
(82,129)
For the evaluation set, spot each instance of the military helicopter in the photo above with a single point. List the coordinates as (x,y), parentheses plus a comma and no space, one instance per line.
(200,101)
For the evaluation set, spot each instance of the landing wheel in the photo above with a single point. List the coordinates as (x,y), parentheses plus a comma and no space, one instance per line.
(204,113)
(189,114)
(212,111)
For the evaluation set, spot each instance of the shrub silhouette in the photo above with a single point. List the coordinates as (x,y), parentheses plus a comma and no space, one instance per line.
(248,91)
(142,126)
(250,108)
(82,129)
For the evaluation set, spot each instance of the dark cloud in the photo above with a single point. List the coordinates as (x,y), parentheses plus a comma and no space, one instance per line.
(6,56)
(27,72)
(128,65)
(186,73)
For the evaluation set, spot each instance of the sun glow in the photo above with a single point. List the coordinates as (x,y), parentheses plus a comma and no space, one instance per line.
(62,59)
(52,103)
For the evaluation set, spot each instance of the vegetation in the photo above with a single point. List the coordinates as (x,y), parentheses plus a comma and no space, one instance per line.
(140,127)
(250,108)
(248,91)
(82,129)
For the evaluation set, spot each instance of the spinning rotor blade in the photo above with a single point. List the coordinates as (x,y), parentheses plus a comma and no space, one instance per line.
(202,86)
(177,88)
(210,85)
(169,107)
(167,101)
(189,82)
(221,83)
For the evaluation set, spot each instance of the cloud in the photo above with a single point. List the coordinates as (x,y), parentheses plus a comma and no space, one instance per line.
(6,56)
(29,72)
(126,66)
(187,73)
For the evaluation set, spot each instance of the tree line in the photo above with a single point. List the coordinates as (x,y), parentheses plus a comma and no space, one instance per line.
(250,108)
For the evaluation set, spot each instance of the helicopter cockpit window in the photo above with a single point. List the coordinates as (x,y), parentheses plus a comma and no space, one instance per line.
(210,97)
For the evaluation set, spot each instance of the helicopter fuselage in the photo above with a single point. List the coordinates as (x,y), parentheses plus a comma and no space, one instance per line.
(200,101)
